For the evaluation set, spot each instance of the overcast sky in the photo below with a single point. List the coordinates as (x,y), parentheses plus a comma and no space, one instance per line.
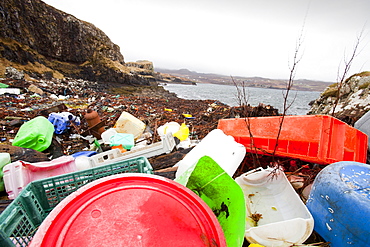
(235,37)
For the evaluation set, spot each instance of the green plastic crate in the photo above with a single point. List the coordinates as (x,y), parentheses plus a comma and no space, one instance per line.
(20,220)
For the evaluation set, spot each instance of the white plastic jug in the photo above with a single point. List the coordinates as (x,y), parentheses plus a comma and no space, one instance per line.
(129,124)
(275,215)
(170,127)
(220,147)
(106,135)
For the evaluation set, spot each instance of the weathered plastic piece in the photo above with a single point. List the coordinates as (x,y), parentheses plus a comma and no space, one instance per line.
(220,147)
(275,214)
(106,135)
(320,139)
(36,134)
(129,124)
(19,173)
(84,153)
(10,90)
(166,145)
(20,220)
(62,121)
(4,160)
(221,193)
(339,202)
(126,140)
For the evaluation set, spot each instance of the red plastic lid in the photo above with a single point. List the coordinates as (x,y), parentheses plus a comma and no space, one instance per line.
(131,210)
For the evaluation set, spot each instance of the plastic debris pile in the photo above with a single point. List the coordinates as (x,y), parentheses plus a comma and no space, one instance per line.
(64,137)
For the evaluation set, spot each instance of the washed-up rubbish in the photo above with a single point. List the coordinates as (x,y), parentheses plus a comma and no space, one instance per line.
(107,134)
(62,121)
(25,154)
(147,220)
(339,202)
(166,145)
(127,123)
(36,134)
(23,216)
(221,193)
(19,173)
(220,147)
(319,139)
(122,139)
(4,160)
(170,127)
(10,90)
(183,133)
(275,214)
(3,85)
(84,153)
(84,162)
(93,119)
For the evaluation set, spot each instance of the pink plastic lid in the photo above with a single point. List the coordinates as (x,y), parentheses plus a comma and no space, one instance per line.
(131,210)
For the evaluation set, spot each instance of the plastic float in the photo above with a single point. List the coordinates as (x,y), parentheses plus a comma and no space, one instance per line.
(275,214)
(340,203)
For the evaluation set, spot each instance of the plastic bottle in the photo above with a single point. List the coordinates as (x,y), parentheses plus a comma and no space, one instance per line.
(36,134)
(4,160)
(129,124)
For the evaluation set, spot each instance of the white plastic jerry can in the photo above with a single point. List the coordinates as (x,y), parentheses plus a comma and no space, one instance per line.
(220,147)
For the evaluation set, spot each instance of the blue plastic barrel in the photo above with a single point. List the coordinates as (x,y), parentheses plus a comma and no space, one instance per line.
(340,204)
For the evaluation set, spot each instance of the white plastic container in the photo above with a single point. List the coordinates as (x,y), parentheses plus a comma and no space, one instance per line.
(166,145)
(129,124)
(170,127)
(19,173)
(106,135)
(275,214)
(220,147)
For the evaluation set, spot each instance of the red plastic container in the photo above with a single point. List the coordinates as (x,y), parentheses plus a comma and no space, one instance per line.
(131,210)
(320,139)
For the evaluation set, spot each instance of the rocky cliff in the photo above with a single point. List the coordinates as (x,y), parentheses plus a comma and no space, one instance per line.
(46,42)
(353,101)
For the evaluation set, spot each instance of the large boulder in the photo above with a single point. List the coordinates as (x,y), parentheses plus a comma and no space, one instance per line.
(353,101)
(40,39)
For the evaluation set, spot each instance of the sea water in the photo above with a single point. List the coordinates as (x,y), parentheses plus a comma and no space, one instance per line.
(228,94)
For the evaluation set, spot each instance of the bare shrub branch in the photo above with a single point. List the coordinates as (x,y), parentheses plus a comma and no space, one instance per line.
(341,80)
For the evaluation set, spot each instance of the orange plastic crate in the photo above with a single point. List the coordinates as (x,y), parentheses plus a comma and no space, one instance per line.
(320,139)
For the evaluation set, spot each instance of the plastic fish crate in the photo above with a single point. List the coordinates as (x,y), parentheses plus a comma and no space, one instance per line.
(20,220)
(320,139)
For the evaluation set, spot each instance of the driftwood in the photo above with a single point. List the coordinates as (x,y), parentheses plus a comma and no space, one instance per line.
(25,154)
